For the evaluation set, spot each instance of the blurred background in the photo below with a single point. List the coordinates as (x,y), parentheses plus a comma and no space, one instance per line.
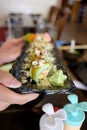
(64,17)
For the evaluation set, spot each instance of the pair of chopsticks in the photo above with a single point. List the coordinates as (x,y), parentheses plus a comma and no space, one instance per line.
(67,47)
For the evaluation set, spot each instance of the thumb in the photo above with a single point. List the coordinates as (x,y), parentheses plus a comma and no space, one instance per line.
(18,40)
(9,80)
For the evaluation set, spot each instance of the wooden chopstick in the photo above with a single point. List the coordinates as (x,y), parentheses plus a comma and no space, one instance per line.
(67,47)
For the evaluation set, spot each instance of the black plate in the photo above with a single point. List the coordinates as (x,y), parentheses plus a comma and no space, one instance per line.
(80,70)
(72,56)
(32,87)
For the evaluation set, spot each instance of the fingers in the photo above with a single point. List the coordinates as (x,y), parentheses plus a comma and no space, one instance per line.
(11,49)
(14,41)
(24,98)
(3,105)
(10,97)
(8,80)
(21,39)
(13,55)
(17,40)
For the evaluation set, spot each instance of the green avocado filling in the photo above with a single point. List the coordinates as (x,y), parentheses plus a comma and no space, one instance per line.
(58,78)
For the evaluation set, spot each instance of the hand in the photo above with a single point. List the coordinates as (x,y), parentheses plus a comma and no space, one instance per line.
(7,96)
(10,50)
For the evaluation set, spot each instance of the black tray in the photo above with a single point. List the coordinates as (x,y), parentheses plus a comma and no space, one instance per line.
(30,87)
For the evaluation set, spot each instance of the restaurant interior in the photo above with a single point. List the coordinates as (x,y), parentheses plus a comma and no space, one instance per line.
(66,23)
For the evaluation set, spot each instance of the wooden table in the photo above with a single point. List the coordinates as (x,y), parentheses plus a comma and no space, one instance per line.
(26,117)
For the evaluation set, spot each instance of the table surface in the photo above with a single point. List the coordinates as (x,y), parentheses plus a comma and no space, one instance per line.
(27,116)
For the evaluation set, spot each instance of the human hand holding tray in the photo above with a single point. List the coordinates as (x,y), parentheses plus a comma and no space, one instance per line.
(39,68)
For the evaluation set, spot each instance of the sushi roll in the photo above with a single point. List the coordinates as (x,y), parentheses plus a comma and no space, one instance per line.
(39,69)
(30,37)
